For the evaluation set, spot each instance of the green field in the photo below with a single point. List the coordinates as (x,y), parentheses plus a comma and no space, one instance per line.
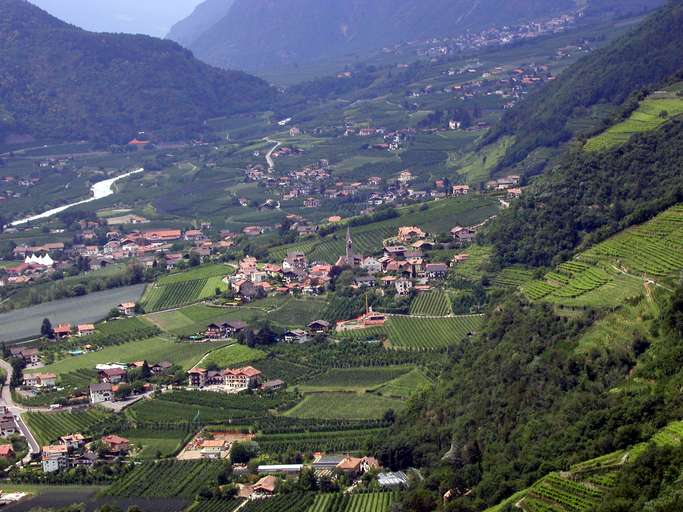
(617,269)
(152,443)
(343,406)
(365,502)
(152,350)
(185,288)
(292,502)
(343,441)
(646,118)
(404,386)
(432,303)
(48,427)
(167,478)
(413,333)
(357,379)
(233,355)
(476,166)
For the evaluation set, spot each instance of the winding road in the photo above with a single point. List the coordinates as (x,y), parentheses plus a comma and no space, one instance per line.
(269,155)
(16,409)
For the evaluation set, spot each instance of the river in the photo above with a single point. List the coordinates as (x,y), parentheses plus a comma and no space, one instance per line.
(99,190)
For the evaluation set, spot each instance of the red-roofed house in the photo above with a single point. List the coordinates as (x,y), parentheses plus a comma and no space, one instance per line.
(242,378)
(116,444)
(62,331)
(86,329)
(6,451)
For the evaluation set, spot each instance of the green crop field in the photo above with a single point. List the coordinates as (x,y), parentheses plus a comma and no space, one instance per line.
(476,166)
(292,502)
(166,479)
(48,427)
(649,116)
(153,443)
(185,288)
(232,355)
(512,277)
(349,406)
(365,502)
(433,303)
(405,385)
(344,441)
(357,379)
(216,505)
(152,350)
(616,269)
(297,312)
(415,333)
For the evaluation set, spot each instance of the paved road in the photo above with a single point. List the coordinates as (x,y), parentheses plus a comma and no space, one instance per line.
(269,155)
(16,409)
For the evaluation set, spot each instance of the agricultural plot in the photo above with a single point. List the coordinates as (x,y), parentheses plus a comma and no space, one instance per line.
(412,333)
(215,505)
(152,444)
(476,166)
(405,385)
(512,277)
(432,303)
(166,479)
(232,355)
(48,427)
(345,441)
(366,502)
(152,350)
(297,312)
(349,406)
(610,272)
(185,288)
(293,502)
(653,112)
(357,379)
(566,494)
(471,268)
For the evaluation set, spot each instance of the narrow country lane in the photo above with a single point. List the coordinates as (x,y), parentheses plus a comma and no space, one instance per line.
(16,409)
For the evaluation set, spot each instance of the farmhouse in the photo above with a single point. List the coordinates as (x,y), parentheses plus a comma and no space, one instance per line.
(225,330)
(126,308)
(29,355)
(436,270)
(319,327)
(62,331)
(6,451)
(462,235)
(296,336)
(116,445)
(8,425)
(112,375)
(85,329)
(272,385)
(40,380)
(410,233)
(101,393)
(461,190)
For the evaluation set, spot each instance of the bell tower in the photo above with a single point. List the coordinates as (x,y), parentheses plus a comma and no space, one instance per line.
(350,260)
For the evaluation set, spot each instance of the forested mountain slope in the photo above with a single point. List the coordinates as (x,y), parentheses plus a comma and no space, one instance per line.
(258,34)
(589,95)
(205,15)
(58,81)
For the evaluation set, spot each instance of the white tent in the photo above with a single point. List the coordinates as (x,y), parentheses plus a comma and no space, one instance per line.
(46,261)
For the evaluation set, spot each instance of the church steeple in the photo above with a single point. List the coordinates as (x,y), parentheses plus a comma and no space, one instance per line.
(349,248)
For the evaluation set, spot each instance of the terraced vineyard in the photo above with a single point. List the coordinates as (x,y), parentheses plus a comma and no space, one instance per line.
(433,303)
(512,277)
(610,272)
(49,427)
(646,118)
(367,502)
(185,288)
(166,479)
(412,333)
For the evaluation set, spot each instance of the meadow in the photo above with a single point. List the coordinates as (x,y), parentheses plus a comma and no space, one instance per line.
(232,355)
(151,444)
(350,406)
